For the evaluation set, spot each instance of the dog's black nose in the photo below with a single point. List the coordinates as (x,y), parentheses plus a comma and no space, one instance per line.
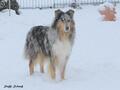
(67,28)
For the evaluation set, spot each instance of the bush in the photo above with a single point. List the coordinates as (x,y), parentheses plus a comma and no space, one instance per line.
(5,5)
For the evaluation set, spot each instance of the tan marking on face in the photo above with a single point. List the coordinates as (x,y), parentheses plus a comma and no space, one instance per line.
(62,34)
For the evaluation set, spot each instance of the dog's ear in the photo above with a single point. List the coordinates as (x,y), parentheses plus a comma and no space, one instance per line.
(70,13)
(58,12)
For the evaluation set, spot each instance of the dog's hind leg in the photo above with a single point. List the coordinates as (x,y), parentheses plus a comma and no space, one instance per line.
(63,73)
(42,66)
(40,59)
(31,67)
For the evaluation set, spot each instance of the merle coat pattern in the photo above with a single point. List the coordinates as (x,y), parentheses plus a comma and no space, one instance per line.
(43,42)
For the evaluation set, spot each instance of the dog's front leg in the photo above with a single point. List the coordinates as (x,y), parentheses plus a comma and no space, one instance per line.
(52,70)
(63,68)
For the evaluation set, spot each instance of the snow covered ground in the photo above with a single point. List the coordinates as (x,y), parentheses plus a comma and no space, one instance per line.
(94,63)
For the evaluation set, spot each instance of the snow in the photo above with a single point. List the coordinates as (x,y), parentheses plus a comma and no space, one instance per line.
(94,63)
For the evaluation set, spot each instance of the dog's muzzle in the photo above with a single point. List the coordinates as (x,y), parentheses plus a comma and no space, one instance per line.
(66,29)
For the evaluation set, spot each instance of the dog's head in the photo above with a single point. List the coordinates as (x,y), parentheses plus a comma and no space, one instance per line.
(64,20)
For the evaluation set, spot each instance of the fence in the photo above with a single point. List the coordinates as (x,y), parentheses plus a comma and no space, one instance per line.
(59,3)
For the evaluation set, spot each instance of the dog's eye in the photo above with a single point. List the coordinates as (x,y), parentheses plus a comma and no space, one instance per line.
(68,20)
(62,19)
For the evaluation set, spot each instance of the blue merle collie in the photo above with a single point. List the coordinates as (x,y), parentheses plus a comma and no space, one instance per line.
(52,44)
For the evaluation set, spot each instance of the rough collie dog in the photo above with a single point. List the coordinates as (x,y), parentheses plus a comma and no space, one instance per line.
(52,44)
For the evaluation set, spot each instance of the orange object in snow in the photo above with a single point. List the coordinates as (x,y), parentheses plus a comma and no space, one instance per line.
(108,13)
